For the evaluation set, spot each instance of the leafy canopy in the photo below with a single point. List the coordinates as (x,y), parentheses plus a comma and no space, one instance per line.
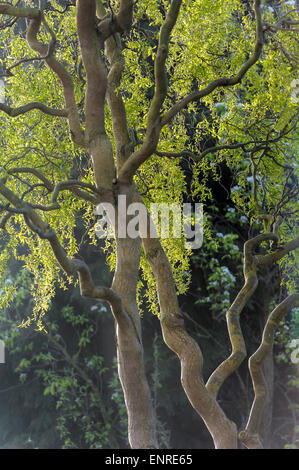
(211,39)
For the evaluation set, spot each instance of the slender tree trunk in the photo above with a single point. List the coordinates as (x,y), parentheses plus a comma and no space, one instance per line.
(141,417)
(268,289)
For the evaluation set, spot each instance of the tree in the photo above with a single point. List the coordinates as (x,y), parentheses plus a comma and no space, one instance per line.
(146,87)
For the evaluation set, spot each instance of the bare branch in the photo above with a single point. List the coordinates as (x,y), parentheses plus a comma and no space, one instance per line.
(124,16)
(113,50)
(251,244)
(11,210)
(160,70)
(251,263)
(183,153)
(94,66)
(36,18)
(97,140)
(68,5)
(50,51)
(8,9)
(14,112)
(115,100)
(34,172)
(53,207)
(71,184)
(88,289)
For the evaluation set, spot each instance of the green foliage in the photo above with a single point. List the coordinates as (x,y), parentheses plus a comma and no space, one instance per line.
(218,256)
(211,39)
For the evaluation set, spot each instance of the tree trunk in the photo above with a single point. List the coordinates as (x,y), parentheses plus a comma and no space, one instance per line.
(141,417)
(268,289)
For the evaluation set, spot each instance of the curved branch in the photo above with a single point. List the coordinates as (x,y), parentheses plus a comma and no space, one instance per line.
(251,244)
(113,50)
(64,76)
(154,119)
(238,354)
(258,145)
(251,263)
(250,436)
(115,100)
(72,185)
(70,266)
(45,52)
(96,74)
(125,13)
(50,51)
(97,140)
(160,61)
(88,289)
(183,153)
(225,81)
(35,172)
(14,112)
(8,9)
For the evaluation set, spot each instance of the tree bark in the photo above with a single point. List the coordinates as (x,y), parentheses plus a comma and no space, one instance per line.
(267,291)
(141,417)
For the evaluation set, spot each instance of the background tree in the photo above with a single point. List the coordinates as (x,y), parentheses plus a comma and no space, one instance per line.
(157,70)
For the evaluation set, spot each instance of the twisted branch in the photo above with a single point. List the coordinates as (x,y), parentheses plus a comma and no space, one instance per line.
(97,140)
(46,52)
(225,81)
(8,9)
(34,172)
(250,436)
(14,112)
(113,50)
(154,119)
(251,263)
(64,76)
